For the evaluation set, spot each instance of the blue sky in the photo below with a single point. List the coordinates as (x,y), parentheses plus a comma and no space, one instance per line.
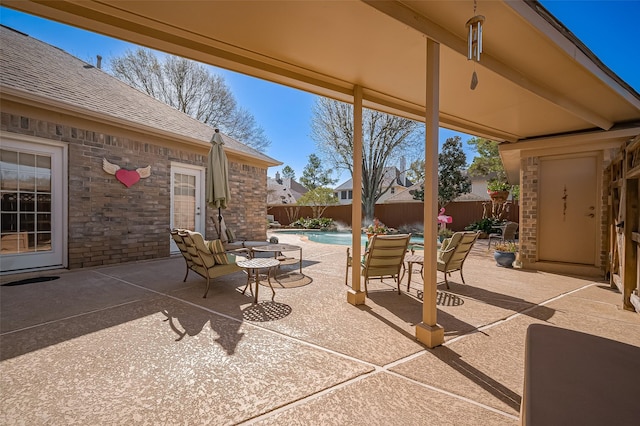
(608,27)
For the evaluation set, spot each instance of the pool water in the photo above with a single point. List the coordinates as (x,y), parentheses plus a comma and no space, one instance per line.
(334,237)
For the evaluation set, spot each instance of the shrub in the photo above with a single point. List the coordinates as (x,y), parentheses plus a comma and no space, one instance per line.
(445,233)
(486,225)
(322,223)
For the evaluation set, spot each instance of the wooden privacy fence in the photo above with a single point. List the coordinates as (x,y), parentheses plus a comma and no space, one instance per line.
(397,214)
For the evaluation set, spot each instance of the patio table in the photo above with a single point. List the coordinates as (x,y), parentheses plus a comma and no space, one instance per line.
(253,267)
(277,250)
(410,260)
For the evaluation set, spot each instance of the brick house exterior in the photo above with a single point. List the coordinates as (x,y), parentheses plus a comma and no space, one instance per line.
(92,116)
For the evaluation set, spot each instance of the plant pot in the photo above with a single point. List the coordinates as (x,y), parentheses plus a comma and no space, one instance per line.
(504,259)
(498,196)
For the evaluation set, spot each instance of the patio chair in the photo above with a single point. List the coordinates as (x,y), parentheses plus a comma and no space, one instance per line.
(229,239)
(453,253)
(272,223)
(508,234)
(383,258)
(206,258)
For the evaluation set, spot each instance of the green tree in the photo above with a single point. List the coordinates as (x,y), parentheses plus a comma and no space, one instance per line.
(318,199)
(416,171)
(288,173)
(488,163)
(189,87)
(385,139)
(452,180)
(314,175)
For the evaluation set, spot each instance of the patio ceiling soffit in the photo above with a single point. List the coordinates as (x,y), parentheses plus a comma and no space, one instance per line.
(422,24)
(108,18)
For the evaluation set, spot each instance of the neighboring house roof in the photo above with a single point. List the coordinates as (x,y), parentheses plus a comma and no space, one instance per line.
(283,193)
(33,70)
(346,185)
(405,196)
(390,174)
(295,187)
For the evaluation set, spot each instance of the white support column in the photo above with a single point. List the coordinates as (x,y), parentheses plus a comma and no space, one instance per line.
(355,295)
(428,331)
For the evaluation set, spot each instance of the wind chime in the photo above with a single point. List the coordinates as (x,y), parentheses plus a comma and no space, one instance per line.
(474,42)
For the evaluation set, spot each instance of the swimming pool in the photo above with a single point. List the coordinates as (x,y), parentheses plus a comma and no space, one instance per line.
(342,238)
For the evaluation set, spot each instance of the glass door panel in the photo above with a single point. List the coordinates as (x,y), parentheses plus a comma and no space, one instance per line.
(28,222)
(23,199)
(187,198)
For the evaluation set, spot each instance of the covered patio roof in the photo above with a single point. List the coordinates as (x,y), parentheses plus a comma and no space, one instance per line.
(536,81)
(535,78)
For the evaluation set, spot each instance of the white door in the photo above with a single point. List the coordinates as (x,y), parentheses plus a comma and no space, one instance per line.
(32,210)
(187,198)
(568,209)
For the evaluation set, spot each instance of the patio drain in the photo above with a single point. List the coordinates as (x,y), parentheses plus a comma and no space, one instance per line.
(30,281)
(266,311)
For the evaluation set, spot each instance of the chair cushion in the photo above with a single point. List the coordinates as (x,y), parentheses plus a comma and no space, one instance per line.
(217,249)
(199,250)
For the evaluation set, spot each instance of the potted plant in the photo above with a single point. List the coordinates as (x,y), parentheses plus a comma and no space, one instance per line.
(505,254)
(498,190)
(444,233)
(376,227)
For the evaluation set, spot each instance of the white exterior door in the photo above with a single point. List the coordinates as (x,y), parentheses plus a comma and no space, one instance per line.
(187,198)
(569,211)
(33,188)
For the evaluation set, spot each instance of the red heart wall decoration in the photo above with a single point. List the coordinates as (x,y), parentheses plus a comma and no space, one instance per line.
(127,177)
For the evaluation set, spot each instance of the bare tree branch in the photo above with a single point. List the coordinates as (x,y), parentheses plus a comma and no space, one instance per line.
(189,87)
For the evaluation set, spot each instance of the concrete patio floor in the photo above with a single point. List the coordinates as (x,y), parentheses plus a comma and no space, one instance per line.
(133,344)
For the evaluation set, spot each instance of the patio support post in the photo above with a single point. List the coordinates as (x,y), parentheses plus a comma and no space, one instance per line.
(429,331)
(355,296)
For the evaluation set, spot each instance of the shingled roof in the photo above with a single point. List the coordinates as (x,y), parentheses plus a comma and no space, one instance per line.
(33,69)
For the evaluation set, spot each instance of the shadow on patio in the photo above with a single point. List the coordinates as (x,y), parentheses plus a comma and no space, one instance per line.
(132,343)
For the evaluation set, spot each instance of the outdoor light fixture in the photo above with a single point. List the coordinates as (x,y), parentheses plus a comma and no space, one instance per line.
(474,41)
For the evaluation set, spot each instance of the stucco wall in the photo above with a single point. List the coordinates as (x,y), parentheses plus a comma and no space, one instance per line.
(110,223)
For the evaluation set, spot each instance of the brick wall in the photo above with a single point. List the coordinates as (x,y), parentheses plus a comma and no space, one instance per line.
(110,223)
(529,169)
(247,210)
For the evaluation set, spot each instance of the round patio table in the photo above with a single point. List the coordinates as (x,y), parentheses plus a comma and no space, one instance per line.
(277,250)
(253,267)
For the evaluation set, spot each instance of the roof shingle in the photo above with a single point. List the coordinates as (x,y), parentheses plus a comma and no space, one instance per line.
(31,66)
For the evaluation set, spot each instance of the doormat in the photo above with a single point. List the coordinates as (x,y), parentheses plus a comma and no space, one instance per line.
(30,281)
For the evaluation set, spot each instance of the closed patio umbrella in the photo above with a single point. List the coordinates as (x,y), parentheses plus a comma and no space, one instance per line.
(217,185)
